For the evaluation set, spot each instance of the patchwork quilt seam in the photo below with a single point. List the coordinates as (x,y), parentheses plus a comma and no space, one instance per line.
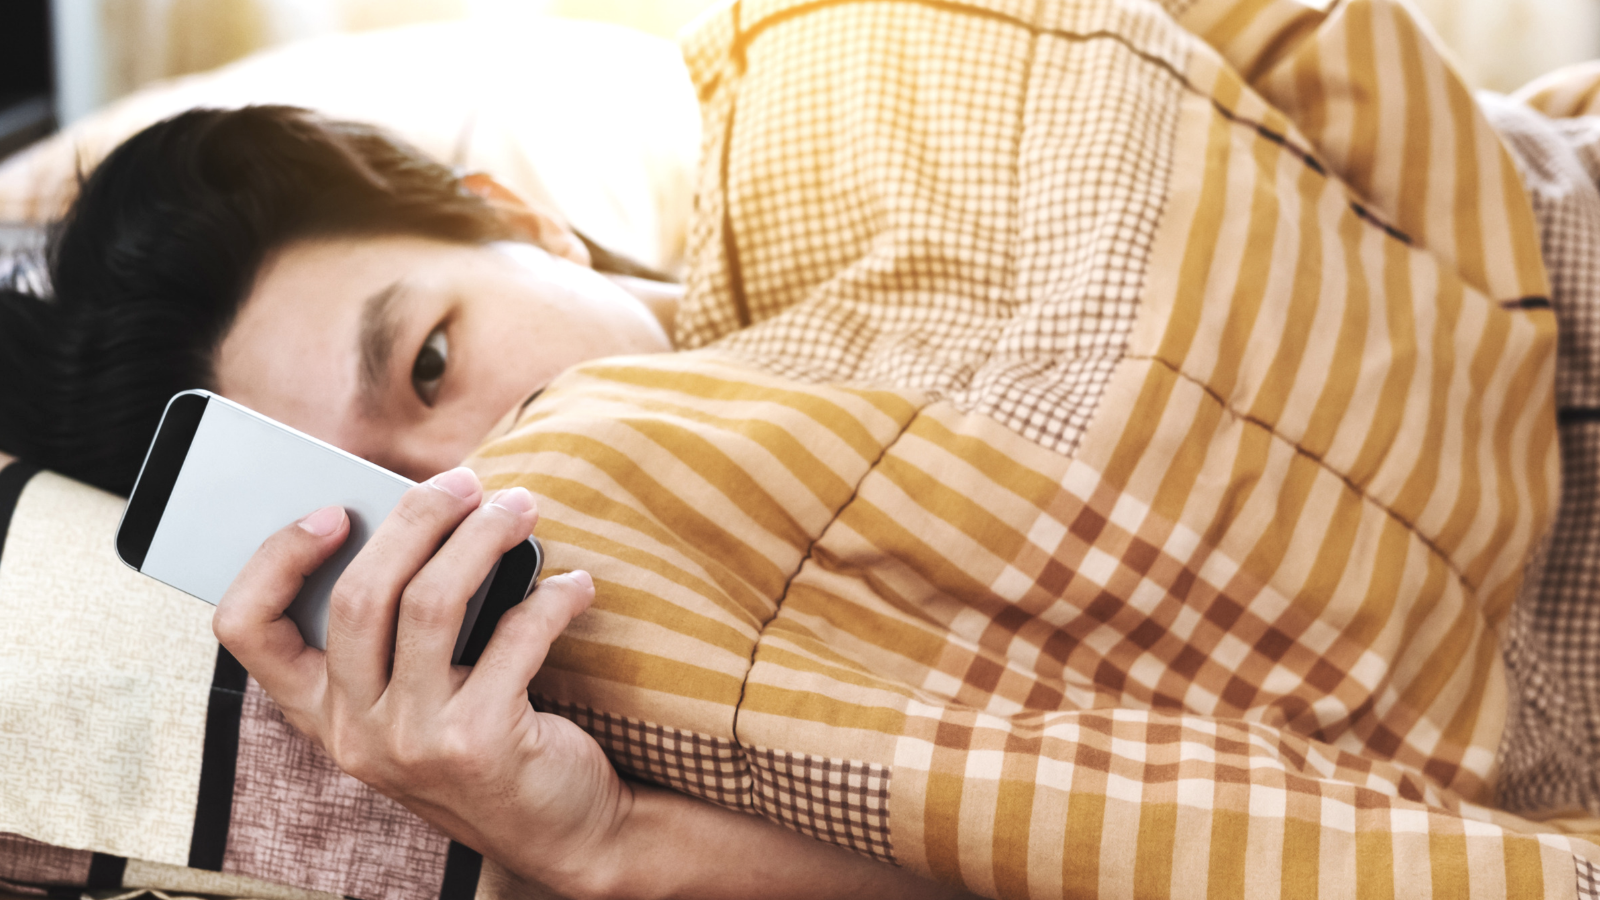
(1321,463)
(777,606)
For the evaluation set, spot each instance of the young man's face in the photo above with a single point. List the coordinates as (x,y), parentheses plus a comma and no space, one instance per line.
(406,351)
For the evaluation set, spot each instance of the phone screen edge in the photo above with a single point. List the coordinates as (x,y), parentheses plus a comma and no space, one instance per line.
(513,580)
(147,503)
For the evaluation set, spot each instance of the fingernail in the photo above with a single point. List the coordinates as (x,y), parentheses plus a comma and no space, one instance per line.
(458,482)
(324,521)
(581,579)
(517,500)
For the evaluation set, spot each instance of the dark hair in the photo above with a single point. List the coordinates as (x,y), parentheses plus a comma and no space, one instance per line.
(149,266)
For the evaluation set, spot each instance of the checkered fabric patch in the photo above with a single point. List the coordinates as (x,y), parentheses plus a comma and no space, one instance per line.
(1550,757)
(1588,880)
(840,801)
(1011,289)
(707,767)
(835,800)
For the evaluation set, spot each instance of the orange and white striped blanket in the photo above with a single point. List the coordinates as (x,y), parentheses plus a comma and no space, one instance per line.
(1118,434)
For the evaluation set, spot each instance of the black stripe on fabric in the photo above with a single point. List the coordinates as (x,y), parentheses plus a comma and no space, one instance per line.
(462,864)
(213,808)
(13,479)
(105,871)
(1527,303)
(1363,213)
(1575,414)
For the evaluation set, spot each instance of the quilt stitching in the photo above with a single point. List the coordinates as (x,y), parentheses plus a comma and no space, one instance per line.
(745,37)
(845,802)
(1387,510)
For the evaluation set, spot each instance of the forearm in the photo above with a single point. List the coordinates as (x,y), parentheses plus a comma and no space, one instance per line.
(670,845)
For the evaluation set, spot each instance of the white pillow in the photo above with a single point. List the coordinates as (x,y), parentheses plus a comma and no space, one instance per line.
(598,120)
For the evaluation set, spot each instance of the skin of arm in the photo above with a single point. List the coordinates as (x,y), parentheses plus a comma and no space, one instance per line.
(463,748)
(671,845)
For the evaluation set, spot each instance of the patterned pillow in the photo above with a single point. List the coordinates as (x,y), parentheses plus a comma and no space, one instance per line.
(135,754)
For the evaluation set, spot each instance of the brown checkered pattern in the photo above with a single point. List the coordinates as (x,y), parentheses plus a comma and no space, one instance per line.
(1588,880)
(836,800)
(841,801)
(1114,605)
(1010,288)
(710,768)
(1242,641)
(1550,758)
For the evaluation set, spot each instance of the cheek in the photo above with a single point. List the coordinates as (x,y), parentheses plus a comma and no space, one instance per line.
(511,355)
(422,454)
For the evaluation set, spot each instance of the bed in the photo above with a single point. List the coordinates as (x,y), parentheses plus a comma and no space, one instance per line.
(1112,454)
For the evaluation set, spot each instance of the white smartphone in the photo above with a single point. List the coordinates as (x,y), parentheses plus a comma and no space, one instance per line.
(220,478)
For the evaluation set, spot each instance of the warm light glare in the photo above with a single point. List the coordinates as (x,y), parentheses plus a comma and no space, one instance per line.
(113,47)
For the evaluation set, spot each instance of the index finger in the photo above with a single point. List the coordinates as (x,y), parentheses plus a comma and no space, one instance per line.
(250,620)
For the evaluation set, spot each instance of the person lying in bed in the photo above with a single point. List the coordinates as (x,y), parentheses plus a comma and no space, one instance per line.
(1101,459)
(329,275)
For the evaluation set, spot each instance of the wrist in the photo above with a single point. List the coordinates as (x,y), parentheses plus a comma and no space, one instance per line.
(601,866)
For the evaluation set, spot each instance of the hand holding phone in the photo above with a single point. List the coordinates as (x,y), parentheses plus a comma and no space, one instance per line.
(220,478)
(463,748)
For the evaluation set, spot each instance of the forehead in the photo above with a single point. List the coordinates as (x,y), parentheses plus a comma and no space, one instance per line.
(336,271)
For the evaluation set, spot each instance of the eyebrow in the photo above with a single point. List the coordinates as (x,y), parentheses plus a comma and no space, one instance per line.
(377,331)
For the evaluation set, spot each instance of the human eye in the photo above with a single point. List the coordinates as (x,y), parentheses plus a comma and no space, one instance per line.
(428,371)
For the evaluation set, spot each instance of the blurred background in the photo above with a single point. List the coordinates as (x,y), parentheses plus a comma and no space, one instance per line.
(61,60)
(552,96)
(584,105)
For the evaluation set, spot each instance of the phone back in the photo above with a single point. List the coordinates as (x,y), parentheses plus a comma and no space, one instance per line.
(244,478)
(220,479)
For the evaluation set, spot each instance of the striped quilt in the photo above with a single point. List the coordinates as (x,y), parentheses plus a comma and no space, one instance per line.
(1116,440)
